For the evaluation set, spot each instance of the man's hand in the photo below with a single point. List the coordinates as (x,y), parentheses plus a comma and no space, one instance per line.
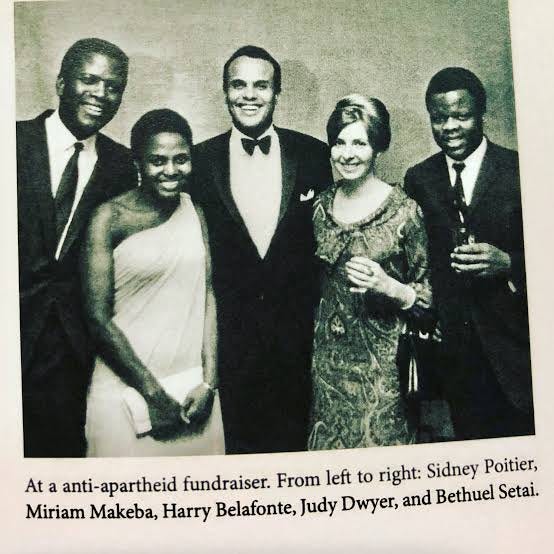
(480,260)
(437,333)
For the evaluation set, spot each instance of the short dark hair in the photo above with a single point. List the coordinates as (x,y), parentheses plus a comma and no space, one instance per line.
(87,47)
(258,53)
(457,78)
(155,122)
(370,111)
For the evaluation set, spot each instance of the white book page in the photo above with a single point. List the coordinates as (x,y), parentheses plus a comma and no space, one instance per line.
(368,486)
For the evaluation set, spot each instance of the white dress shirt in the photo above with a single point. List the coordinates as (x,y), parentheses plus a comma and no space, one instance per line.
(256,185)
(471,170)
(60,148)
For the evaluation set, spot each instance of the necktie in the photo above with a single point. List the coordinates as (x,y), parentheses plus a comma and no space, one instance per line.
(65,194)
(249,144)
(462,235)
(460,199)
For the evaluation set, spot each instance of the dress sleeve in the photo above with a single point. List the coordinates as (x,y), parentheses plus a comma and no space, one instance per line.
(417,258)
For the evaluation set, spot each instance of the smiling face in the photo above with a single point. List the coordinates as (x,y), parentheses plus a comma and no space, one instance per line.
(166,165)
(90,94)
(352,154)
(456,122)
(250,94)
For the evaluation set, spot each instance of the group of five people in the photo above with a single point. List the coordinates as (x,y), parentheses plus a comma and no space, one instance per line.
(241,267)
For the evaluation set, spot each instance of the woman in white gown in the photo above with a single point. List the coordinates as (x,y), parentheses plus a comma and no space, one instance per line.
(151,308)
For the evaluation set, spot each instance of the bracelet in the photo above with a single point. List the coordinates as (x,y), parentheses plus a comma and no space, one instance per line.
(409,302)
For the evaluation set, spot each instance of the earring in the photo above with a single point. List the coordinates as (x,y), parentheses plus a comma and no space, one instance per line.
(139,176)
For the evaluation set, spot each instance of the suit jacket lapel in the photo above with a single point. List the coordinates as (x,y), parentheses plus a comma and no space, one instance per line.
(289,163)
(222,178)
(484,178)
(39,182)
(444,191)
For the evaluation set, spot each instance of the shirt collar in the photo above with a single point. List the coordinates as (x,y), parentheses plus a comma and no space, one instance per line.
(474,159)
(63,138)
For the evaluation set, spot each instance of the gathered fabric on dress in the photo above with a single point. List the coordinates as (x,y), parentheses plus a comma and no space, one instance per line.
(159,304)
(357,401)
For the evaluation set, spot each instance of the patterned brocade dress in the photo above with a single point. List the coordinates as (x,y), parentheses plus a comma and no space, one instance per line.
(356,391)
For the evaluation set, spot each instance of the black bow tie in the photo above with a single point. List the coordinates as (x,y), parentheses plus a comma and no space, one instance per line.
(249,144)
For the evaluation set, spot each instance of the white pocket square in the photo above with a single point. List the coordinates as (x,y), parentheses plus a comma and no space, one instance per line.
(308,196)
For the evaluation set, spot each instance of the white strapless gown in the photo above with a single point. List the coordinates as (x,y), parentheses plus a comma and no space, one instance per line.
(160,292)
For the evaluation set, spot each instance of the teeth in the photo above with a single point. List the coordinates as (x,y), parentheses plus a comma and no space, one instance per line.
(170,185)
(95,110)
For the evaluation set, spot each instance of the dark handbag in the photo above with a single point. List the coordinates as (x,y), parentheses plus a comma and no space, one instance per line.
(420,359)
(409,365)
(413,355)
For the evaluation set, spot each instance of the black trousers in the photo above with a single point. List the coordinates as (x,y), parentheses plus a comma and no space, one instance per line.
(265,402)
(479,407)
(54,397)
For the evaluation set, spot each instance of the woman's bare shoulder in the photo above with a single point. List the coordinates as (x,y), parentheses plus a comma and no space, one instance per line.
(110,217)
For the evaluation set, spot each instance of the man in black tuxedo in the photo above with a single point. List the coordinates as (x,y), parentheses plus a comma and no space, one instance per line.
(256,184)
(470,196)
(65,168)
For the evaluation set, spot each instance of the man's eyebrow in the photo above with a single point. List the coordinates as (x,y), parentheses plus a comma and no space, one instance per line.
(108,80)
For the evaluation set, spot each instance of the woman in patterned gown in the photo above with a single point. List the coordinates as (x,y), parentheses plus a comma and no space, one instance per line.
(373,248)
(150,305)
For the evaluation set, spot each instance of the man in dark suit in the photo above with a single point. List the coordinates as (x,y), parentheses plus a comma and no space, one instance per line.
(65,168)
(256,184)
(470,196)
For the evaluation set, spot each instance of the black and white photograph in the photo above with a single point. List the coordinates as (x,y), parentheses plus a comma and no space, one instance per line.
(278,286)
(293,228)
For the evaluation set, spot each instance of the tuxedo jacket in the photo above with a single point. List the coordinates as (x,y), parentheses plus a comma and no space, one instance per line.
(486,306)
(47,284)
(265,305)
